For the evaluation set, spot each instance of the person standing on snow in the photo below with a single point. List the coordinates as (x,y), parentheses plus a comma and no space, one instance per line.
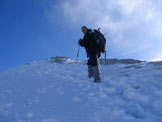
(93,53)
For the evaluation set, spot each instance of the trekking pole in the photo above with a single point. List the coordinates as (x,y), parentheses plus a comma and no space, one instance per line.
(105,57)
(78,52)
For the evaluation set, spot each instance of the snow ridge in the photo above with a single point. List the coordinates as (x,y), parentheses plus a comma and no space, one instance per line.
(58,90)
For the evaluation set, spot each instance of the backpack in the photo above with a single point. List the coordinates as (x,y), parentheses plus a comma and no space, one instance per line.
(100,40)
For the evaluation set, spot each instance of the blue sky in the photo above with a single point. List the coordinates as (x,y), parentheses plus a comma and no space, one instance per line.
(28,34)
(39,29)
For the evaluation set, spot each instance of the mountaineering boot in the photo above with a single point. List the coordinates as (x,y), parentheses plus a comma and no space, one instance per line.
(96,74)
(90,71)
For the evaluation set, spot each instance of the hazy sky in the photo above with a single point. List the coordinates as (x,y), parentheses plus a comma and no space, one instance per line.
(39,29)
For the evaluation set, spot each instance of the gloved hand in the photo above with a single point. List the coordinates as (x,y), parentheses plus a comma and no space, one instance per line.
(79,41)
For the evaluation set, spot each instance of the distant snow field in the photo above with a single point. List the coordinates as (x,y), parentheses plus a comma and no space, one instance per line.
(60,91)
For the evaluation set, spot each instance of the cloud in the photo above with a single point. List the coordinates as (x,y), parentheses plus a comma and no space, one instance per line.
(157,58)
(133,27)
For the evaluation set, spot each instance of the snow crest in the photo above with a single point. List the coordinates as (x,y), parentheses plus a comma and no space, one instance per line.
(59,91)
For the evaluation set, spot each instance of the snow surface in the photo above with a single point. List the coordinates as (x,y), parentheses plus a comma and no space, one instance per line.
(49,91)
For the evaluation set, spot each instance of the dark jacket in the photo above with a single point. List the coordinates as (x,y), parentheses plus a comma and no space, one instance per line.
(89,43)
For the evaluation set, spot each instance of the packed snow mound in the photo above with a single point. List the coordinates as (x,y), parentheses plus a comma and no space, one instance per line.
(58,90)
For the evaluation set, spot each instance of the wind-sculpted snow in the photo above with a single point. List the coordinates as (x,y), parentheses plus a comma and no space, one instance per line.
(50,91)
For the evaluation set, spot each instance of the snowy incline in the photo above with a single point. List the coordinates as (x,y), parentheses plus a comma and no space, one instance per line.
(50,91)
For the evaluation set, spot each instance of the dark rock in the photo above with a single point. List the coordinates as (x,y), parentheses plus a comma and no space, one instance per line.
(58,59)
(121,61)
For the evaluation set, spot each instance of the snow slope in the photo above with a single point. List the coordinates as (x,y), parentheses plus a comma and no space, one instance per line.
(50,91)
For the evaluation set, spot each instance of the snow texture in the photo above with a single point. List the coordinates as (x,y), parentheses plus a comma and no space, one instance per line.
(53,91)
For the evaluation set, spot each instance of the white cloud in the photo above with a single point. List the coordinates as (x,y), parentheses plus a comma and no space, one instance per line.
(133,26)
(157,58)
